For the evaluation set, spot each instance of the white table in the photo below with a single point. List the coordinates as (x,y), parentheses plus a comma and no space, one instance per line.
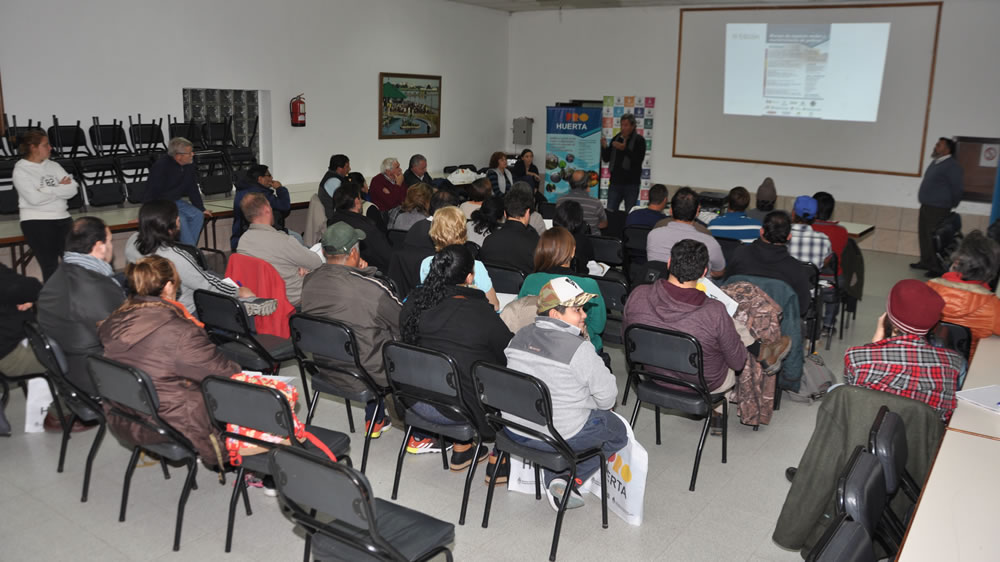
(857,230)
(982,372)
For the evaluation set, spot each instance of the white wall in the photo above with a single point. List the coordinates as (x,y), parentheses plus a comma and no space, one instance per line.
(586,54)
(113,58)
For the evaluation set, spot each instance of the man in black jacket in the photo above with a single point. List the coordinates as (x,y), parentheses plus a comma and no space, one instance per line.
(375,247)
(514,244)
(768,257)
(17,295)
(174,177)
(624,155)
(417,172)
(81,293)
(940,192)
(258,179)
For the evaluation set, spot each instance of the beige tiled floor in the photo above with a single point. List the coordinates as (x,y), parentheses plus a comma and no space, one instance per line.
(730,516)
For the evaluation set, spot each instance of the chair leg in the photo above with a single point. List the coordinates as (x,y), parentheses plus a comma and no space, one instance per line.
(489,492)
(312,410)
(90,459)
(399,460)
(444,452)
(246,500)
(604,491)
(350,417)
(308,549)
(538,481)
(635,413)
(66,427)
(725,428)
(697,456)
(188,484)
(843,313)
(468,481)
(628,383)
(233,499)
(657,425)
(128,481)
(166,471)
(368,434)
(561,512)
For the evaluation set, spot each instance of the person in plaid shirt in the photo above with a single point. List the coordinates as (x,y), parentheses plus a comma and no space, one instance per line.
(900,359)
(806,244)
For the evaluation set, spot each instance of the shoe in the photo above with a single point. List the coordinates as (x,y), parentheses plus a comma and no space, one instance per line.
(428,445)
(716,424)
(790,473)
(380,427)
(266,483)
(918,265)
(269,489)
(462,459)
(52,424)
(502,471)
(931,274)
(556,490)
(771,355)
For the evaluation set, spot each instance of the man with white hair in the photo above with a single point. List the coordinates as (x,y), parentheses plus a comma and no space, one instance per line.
(387,190)
(172,178)
(417,171)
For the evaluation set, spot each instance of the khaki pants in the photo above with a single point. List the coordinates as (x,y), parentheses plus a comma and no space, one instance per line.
(20,361)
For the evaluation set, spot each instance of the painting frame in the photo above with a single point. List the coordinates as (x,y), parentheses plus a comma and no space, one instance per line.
(409,120)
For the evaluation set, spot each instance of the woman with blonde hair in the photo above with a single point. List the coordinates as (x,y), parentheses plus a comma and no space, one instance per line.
(153,332)
(414,209)
(448,228)
(554,258)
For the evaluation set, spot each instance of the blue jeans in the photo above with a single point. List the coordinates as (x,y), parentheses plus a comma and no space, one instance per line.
(603,429)
(619,193)
(191,220)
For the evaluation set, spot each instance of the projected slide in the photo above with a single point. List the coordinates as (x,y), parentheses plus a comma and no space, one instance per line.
(820,71)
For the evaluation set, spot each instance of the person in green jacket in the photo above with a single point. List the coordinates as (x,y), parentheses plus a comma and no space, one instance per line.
(553,257)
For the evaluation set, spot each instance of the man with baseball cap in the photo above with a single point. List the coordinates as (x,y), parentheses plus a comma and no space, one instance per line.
(583,390)
(808,245)
(346,289)
(900,360)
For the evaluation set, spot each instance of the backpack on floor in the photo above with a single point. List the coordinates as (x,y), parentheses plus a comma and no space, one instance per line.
(816,380)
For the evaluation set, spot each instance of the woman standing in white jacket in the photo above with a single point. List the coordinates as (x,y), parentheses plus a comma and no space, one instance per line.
(43,187)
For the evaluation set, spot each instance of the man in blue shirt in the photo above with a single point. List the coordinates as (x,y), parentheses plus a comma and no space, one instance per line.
(735,224)
(653,213)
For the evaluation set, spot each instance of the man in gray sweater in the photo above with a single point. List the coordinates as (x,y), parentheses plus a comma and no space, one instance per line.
(582,388)
(940,192)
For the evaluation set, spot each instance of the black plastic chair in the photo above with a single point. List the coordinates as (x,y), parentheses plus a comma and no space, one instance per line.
(422,375)
(887,441)
(215,177)
(68,141)
(954,337)
(504,392)
(264,409)
(357,526)
(616,223)
(81,406)
(646,346)
(812,316)
(547,210)
(634,239)
(728,246)
(327,350)
(861,494)
(830,275)
(449,169)
(505,279)
(608,250)
(845,540)
(397,237)
(240,160)
(8,195)
(132,397)
(100,180)
(146,137)
(614,293)
(108,140)
(133,172)
(228,325)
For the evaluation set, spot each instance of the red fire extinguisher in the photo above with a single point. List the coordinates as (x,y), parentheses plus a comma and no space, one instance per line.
(297,107)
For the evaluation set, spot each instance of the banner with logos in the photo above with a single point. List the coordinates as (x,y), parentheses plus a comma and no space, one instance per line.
(644,110)
(572,142)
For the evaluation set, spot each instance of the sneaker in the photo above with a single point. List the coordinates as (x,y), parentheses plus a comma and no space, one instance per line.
(422,446)
(269,489)
(380,427)
(556,490)
(462,459)
(502,471)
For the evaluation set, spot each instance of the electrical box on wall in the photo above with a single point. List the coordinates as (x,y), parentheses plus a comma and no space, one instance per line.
(522,130)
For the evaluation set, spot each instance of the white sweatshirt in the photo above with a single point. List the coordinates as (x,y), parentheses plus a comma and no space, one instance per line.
(40,195)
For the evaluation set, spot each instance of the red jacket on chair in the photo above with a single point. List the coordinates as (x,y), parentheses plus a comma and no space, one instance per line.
(261,278)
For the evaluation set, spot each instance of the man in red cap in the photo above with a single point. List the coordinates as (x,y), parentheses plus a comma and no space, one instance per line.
(900,359)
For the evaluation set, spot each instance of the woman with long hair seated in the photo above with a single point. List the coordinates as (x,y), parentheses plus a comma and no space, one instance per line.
(449,315)
(448,228)
(415,208)
(554,258)
(153,332)
(486,219)
(159,227)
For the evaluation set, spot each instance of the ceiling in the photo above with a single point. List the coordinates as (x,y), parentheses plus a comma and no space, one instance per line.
(530,5)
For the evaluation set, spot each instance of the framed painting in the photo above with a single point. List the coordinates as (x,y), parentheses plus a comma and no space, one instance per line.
(409,106)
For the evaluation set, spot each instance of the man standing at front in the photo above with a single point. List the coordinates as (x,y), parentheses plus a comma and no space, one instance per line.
(173,177)
(624,156)
(940,192)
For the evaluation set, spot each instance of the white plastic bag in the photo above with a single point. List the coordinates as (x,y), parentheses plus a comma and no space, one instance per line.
(39,400)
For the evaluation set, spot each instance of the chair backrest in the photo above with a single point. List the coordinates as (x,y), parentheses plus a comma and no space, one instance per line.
(68,141)
(216,134)
(728,246)
(449,169)
(547,210)
(845,540)
(634,238)
(214,174)
(608,250)
(953,336)
(249,405)
(8,195)
(512,392)
(861,489)
(323,338)
(396,237)
(108,139)
(146,137)
(613,291)
(100,178)
(133,171)
(124,385)
(663,348)
(505,279)
(188,130)
(616,223)
(422,374)
(887,441)
(221,312)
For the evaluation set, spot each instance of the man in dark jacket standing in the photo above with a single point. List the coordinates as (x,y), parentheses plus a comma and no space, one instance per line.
(81,293)
(940,192)
(259,180)
(172,178)
(514,244)
(17,295)
(624,155)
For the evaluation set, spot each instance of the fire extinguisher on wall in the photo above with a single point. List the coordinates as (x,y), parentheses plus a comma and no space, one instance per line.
(297,107)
